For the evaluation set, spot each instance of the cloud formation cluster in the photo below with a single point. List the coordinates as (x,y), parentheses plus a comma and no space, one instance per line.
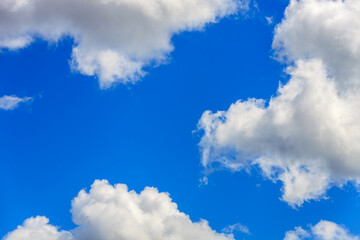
(12,102)
(113,212)
(308,135)
(324,230)
(114,39)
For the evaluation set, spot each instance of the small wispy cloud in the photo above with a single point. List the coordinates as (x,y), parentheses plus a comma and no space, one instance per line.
(236,228)
(12,102)
(203,181)
(270,20)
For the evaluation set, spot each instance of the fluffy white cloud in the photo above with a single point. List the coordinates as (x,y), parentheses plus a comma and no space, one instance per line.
(308,136)
(113,212)
(324,230)
(325,29)
(38,228)
(114,39)
(11,102)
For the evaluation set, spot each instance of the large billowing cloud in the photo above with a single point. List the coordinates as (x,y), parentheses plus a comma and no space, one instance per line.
(114,39)
(308,135)
(324,230)
(113,212)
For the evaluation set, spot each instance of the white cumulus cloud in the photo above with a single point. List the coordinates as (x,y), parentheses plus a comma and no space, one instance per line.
(113,212)
(114,39)
(324,230)
(308,135)
(325,29)
(38,228)
(11,102)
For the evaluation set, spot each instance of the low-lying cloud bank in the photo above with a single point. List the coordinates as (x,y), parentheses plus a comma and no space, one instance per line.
(114,39)
(308,135)
(113,212)
(324,230)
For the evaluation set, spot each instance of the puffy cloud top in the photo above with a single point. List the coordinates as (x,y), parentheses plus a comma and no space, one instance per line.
(38,228)
(114,39)
(325,29)
(324,230)
(112,212)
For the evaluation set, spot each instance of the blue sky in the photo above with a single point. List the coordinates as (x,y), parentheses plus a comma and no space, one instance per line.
(74,131)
